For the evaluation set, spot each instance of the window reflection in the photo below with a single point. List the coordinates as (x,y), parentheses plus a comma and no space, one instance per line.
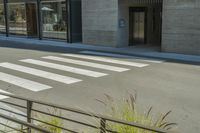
(54,19)
(17,18)
(2,18)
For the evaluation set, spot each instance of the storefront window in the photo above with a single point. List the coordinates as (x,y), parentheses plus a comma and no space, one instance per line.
(17,18)
(2,18)
(23,18)
(54,19)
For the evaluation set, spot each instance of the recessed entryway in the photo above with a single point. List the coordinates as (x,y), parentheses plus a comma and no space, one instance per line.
(145,23)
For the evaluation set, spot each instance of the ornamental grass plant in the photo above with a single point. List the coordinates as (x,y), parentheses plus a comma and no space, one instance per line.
(127,110)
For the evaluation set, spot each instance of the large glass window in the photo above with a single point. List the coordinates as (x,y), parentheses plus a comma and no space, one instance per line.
(17,18)
(23,19)
(54,19)
(2,18)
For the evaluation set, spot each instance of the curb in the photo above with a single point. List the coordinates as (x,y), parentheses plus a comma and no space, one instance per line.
(173,57)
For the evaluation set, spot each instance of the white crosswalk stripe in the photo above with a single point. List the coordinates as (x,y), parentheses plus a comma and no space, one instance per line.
(24,83)
(86,63)
(122,56)
(65,68)
(3,97)
(40,73)
(107,60)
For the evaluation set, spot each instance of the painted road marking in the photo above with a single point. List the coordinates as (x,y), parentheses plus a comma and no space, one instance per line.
(3,97)
(108,60)
(40,73)
(24,83)
(85,63)
(122,56)
(65,68)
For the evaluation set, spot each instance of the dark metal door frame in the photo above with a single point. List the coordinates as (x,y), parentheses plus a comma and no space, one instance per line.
(5,6)
(68,21)
(131,25)
(27,5)
(39,20)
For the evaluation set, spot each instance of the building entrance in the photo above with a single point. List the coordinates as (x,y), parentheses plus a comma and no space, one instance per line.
(137,27)
(145,22)
(31,20)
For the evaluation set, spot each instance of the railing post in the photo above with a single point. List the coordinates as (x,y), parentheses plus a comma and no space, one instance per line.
(29,108)
(22,127)
(102,125)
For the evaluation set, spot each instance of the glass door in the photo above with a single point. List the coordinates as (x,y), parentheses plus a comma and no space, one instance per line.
(54,17)
(22,18)
(137,26)
(17,18)
(2,18)
(31,20)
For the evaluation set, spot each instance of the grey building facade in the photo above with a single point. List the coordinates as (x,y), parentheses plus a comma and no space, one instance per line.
(172,25)
(181,26)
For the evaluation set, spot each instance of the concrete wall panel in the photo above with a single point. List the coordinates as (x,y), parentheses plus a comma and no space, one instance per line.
(99,22)
(181,26)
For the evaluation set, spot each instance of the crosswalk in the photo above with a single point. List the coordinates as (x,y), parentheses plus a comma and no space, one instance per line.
(66,63)
(102,64)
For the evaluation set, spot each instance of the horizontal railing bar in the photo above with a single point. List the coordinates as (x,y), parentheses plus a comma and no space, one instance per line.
(67,119)
(13,112)
(12,104)
(68,129)
(134,124)
(24,123)
(11,127)
(54,125)
(48,104)
(110,131)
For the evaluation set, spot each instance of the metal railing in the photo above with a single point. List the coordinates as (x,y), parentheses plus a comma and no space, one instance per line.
(29,125)
(103,120)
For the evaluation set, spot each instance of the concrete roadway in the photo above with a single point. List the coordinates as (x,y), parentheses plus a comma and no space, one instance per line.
(164,85)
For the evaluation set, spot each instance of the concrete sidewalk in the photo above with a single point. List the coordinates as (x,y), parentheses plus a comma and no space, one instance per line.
(134,51)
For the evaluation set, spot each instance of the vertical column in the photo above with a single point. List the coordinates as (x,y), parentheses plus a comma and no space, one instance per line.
(68,21)
(102,125)
(161,21)
(5,2)
(39,20)
(76,20)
